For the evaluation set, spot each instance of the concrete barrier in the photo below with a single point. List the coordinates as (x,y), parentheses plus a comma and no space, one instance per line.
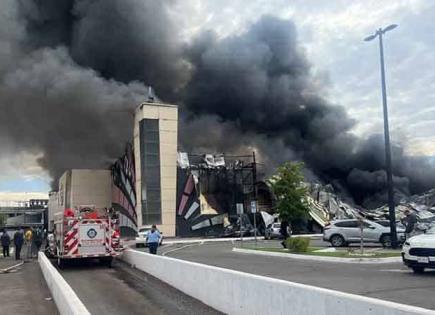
(235,292)
(65,298)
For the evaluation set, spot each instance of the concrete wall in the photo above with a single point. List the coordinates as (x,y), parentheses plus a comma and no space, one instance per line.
(53,207)
(65,298)
(234,292)
(85,187)
(168,134)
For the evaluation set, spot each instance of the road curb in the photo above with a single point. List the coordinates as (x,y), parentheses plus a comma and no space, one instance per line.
(318,258)
(169,241)
(66,300)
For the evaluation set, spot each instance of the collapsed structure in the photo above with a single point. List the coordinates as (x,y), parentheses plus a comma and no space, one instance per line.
(209,187)
(326,205)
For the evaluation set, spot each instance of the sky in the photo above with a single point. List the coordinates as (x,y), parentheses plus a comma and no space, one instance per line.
(346,67)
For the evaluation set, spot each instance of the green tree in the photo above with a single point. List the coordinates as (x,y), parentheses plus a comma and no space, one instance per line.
(290,193)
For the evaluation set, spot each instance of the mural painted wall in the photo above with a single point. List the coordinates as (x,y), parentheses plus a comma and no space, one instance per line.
(123,192)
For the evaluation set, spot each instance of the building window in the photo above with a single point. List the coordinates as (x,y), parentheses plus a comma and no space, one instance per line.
(150,170)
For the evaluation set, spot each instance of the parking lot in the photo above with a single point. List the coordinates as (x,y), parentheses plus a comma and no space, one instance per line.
(388,281)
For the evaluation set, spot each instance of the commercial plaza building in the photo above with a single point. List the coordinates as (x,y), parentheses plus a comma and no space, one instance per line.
(141,184)
(155,155)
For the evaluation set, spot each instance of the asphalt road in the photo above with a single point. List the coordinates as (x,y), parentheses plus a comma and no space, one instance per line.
(124,290)
(392,281)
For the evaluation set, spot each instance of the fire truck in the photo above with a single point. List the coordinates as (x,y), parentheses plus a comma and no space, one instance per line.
(85,232)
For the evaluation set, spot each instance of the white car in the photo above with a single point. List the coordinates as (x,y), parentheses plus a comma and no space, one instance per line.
(418,252)
(142,236)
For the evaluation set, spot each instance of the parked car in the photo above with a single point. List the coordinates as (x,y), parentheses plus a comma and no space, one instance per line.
(142,236)
(386,223)
(233,230)
(418,252)
(342,232)
(273,231)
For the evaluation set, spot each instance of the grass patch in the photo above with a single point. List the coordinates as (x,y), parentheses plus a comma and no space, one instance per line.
(343,253)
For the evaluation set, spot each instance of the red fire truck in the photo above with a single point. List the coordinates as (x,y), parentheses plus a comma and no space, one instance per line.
(85,232)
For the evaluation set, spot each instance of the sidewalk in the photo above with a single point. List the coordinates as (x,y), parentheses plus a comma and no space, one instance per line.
(23,290)
(192,240)
(301,256)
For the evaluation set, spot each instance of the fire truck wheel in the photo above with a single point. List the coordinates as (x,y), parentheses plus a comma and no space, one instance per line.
(106,262)
(48,253)
(60,263)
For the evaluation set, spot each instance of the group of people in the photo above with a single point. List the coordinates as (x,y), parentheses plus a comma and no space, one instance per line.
(31,238)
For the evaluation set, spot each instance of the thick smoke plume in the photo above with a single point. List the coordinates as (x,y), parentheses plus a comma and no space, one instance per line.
(261,82)
(71,71)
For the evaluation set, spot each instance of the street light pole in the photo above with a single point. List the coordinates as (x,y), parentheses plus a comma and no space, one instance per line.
(390,185)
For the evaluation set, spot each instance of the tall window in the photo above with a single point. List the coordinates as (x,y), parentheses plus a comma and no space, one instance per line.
(150,170)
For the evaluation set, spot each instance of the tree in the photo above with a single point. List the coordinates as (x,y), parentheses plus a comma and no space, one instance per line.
(290,193)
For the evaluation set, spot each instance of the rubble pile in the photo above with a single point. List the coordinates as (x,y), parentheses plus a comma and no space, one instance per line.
(326,205)
(422,205)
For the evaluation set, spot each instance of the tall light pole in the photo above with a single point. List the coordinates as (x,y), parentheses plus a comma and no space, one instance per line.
(379,33)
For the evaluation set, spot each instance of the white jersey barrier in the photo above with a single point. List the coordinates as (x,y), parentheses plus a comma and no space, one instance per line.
(65,298)
(234,292)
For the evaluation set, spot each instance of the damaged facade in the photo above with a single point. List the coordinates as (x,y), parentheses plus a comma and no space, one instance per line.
(208,189)
(197,194)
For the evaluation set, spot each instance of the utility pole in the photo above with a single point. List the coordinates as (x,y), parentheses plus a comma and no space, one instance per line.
(254,205)
(390,185)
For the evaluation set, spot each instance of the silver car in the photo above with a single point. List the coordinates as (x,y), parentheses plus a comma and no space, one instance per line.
(342,232)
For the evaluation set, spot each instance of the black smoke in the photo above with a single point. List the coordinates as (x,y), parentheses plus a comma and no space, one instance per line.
(261,82)
(72,67)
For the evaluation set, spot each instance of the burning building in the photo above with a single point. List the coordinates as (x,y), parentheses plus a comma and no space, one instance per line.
(210,186)
(155,153)
(81,63)
(141,184)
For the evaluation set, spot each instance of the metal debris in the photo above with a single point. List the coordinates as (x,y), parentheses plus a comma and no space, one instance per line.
(326,205)
(10,269)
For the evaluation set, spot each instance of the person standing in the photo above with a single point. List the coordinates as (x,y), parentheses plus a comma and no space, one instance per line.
(153,239)
(28,237)
(5,241)
(283,230)
(18,242)
(37,240)
(410,221)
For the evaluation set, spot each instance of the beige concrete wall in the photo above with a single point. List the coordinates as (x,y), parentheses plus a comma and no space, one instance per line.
(86,187)
(62,192)
(168,134)
(91,187)
(53,207)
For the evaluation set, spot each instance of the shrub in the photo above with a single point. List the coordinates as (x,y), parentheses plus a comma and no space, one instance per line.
(298,244)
